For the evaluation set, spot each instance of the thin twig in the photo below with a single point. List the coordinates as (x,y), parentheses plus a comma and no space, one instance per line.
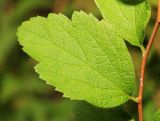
(143,64)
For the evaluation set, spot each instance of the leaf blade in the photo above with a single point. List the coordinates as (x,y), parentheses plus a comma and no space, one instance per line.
(129,17)
(88,62)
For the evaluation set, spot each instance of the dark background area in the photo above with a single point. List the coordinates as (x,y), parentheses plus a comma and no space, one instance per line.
(25,97)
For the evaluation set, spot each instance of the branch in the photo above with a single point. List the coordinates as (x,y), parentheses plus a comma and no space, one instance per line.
(143,64)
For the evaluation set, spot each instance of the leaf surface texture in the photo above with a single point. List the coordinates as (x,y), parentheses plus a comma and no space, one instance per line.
(83,57)
(129,17)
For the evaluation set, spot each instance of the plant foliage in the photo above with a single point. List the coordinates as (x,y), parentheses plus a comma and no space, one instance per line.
(86,58)
(83,53)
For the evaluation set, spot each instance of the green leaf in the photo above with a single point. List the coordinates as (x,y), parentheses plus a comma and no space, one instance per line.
(87,112)
(157,116)
(82,58)
(128,16)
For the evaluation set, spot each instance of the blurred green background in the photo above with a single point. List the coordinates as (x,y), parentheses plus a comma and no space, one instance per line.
(24,97)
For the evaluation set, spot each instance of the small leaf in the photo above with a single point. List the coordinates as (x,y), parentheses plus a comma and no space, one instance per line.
(128,16)
(83,58)
(157,116)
